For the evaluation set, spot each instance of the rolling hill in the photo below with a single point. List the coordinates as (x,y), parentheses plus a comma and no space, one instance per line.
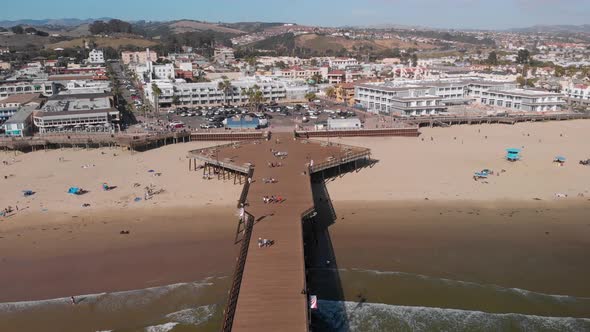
(191,26)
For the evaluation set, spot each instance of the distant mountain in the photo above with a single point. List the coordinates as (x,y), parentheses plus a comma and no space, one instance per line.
(585,28)
(63,22)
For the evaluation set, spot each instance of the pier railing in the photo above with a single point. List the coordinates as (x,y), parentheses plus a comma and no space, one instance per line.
(403,132)
(245,188)
(507,119)
(234,292)
(206,155)
(339,161)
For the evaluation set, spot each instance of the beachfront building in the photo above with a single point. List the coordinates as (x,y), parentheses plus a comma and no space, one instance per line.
(208,93)
(578,94)
(139,57)
(526,100)
(88,112)
(418,96)
(20,124)
(406,101)
(10,88)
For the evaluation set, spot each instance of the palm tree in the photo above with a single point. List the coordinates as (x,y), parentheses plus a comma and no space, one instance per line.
(226,87)
(331,92)
(157,93)
(255,96)
(317,78)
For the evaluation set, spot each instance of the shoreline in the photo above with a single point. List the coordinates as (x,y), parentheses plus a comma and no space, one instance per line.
(86,254)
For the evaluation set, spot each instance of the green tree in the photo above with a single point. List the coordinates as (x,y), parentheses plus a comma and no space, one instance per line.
(414,60)
(492,58)
(226,87)
(331,92)
(251,61)
(255,97)
(176,100)
(310,96)
(317,78)
(281,65)
(523,57)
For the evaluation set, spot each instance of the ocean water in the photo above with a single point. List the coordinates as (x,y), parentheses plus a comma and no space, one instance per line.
(373,301)
(353,316)
(194,306)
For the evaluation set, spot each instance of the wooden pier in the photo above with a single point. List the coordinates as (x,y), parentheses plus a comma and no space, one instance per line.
(136,142)
(269,289)
(445,121)
(383,132)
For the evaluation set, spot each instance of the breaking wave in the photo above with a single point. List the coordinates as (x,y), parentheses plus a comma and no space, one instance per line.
(453,282)
(352,316)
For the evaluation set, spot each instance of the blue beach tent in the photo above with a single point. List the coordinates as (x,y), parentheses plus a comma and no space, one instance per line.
(513,154)
(74,190)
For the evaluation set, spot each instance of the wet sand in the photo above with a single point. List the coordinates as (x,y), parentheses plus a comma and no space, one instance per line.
(455,266)
(537,246)
(60,255)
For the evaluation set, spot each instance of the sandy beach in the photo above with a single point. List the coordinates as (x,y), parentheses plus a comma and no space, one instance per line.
(417,211)
(440,164)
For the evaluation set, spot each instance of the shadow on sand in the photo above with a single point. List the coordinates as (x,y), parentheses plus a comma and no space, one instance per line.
(323,278)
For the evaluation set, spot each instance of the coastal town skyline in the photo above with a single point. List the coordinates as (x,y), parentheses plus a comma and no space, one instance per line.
(458,14)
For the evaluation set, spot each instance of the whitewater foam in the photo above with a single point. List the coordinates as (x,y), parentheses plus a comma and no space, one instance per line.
(351,316)
(518,291)
(161,328)
(193,316)
(111,301)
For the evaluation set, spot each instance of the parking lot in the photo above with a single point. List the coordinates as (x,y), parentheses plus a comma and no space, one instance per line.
(280,118)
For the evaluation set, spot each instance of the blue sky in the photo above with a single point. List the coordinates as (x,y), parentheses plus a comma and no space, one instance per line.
(434,13)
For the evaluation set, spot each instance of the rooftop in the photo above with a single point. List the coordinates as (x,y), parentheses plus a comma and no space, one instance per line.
(22,99)
(20,116)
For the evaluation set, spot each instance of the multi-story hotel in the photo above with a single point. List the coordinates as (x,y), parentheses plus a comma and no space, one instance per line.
(208,94)
(429,98)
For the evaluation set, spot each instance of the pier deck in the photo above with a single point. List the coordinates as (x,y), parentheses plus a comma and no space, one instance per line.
(272,295)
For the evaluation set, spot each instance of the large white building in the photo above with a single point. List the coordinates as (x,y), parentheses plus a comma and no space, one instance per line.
(92,112)
(208,94)
(151,71)
(526,100)
(433,97)
(96,57)
(409,100)
(578,94)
